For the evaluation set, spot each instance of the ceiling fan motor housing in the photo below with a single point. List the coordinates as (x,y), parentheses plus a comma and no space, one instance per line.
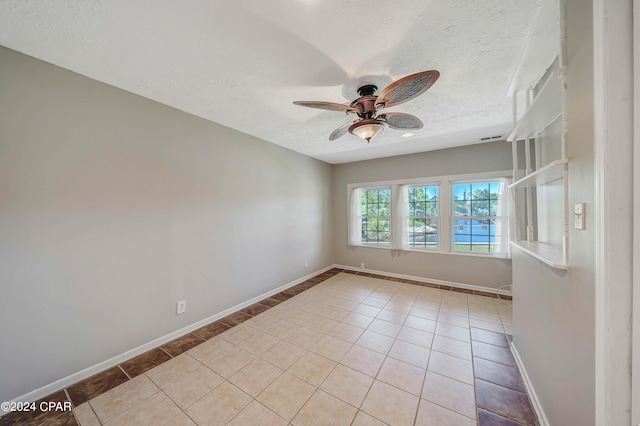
(365,105)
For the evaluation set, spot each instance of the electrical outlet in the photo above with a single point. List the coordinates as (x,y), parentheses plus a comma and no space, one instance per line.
(181,307)
(306,263)
(362,266)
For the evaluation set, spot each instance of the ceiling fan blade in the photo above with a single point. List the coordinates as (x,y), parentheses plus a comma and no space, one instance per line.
(340,131)
(401,121)
(331,106)
(407,88)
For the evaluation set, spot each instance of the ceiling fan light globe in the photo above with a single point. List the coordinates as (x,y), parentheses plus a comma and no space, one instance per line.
(367,129)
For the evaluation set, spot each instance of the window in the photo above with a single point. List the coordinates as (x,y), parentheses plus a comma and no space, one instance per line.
(375,207)
(422,222)
(410,214)
(474,216)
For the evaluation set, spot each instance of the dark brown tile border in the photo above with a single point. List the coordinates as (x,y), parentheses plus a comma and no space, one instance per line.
(182,344)
(87,389)
(505,402)
(145,362)
(211,330)
(96,385)
(487,418)
(37,417)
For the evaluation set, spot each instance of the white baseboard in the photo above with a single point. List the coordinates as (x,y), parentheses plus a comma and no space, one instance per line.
(542,418)
(430,280)
(118,359)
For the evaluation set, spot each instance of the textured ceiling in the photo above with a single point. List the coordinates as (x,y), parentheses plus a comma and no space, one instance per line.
(241,63)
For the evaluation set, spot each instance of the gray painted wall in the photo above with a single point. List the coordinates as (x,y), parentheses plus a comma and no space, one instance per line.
(114,207)
(480,271)
(554,310)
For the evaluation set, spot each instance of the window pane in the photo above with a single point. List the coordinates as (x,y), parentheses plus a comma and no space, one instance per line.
(423,201)
(375,231)
(423,233)
(376,203)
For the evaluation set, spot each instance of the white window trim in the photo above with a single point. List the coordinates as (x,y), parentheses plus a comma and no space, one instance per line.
(445,198)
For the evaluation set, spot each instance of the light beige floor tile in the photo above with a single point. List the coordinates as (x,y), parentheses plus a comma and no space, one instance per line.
(256,376)
(430,414)
(321,324)
(358,320)
(86,416)
(374,301)
(491,326)
(262,322)
(402,375)
(427,313)
(420,323)
(304,337)
(348,305)
(367,310)
(508,330)
(398,306)
(298,316)
(324,409)
(312,368)
(282,329)
(453,332)
(385,328)
(331,347)
(283,354)
(485,316)
(449,393)
(256,414)
(347,384)
(219,406)
(447,318)
(375,341)
(390,404)
(181,420)
(392,316)
(452,347)
(238,334)
(364,419)
(210,349)
(193,386)
(427,304)
(286,395)
(454,309)
(452,367)
(116,401)
(415,336)
(170,371)
(363,360)
(410,353)
(158,409)
(229,362)
(346,332)
(336,314)
(258,343)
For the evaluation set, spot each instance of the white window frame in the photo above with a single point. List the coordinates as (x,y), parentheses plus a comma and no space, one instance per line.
(453,217)
(445,207)
(361,216)
(437,218)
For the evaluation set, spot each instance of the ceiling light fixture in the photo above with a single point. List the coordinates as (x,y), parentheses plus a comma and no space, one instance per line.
(407,135)
(366,129)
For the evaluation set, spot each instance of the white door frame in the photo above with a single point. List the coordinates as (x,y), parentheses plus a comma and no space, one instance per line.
(616,197)
(635,350)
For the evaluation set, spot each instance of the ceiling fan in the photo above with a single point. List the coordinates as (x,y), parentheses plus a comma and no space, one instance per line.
(367,107)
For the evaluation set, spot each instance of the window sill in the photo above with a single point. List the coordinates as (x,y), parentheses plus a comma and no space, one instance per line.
(486,256)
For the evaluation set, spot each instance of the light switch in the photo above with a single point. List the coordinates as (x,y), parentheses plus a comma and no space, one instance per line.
(578,211)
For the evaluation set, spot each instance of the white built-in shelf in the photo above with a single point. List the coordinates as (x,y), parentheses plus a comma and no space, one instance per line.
(544,109)
(541,48)
(551,255)
(549,173)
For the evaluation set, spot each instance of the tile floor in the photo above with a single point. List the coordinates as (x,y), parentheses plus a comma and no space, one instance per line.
(341,348)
